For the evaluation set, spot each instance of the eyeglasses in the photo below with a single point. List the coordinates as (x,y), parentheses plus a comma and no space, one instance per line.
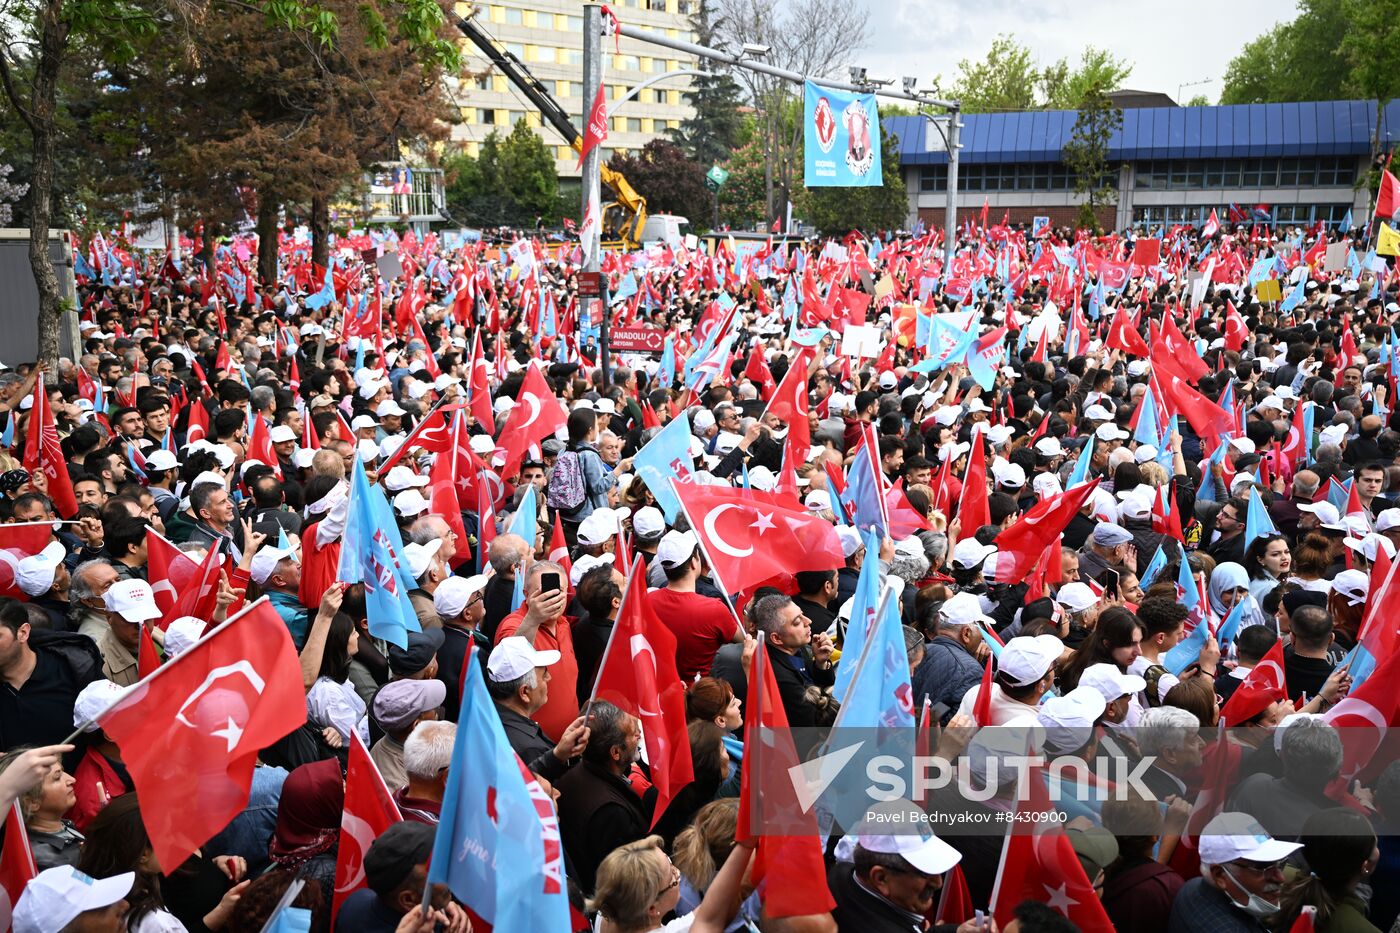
(1258,868)
(675,881)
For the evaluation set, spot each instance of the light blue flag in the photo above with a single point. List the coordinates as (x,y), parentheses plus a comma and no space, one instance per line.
(284,543)
(1188,650)
(1230,628)
(372,553)
(1080,475)
(1146,431)
(665,457)
(1344,226)
(1260,270)
(625,289)
(867,601)
(1207,491)
(1360,664)
(497,845)
(290,920)
(879,695)
(949,343)
(1155,566)
(7,439)
(1258,522)
(982,364)
(1295,297)
(327,293)
(666,370)
(525,521)
(517,592)
(842,138)
(865,493)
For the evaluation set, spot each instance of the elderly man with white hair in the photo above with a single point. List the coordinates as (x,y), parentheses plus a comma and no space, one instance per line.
(1241,879)
(427,752)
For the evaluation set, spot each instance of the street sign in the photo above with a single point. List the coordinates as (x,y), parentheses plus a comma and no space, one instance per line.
(716,176)
(637,339)
(590,285)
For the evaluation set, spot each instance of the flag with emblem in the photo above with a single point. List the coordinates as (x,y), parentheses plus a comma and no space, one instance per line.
(17,866)
(369,811)
(190,733)
(372,554)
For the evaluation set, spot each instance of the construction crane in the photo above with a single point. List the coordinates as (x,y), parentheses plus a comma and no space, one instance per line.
(626,215)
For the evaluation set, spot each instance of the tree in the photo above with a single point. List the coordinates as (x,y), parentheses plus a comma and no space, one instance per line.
(1066,88)
(837,211)
(1199,100)
(671,183)
(713,131)
(1008,78)
(528,174)
(742,198)
(1086,153)
(511,182)
(38,36)
(1310,58)
(810,37)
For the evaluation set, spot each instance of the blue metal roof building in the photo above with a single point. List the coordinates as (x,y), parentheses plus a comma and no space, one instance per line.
(1174,163)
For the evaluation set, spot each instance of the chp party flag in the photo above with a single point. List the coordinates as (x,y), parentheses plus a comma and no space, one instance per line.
(190,733)
(497,846)
(638,675)
(663,458)
(369,811)
(372,554)
(842,139)
(42,451)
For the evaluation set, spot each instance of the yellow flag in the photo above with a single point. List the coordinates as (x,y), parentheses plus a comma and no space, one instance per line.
(1388,242)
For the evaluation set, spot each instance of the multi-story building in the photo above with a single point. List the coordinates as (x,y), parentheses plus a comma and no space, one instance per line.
(547,36)
(1292,163)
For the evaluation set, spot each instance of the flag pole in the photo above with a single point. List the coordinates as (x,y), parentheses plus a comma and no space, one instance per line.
(612,634)
(145,681)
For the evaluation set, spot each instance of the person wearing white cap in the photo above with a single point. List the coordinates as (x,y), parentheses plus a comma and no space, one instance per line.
(390,419)
(64,900)
(162,472)
(130,605)
(1241,881)
(648,526)
(701,624)
(1025,671)
(1069,722)
(597,534)
(541,619)
(45,580)
(426,566)
(460,603)
(518,679)
(1117,689)
(278,572)
(954,658)
(890,869)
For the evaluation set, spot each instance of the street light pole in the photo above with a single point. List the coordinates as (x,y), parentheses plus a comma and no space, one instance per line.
(592,184)
(950,217)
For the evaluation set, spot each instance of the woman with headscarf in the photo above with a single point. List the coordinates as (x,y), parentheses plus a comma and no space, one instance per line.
(308,822)
(1229,584)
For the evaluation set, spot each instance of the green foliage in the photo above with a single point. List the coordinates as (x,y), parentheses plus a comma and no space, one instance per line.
(1370,45)
(1008,78)
(511,183)
(671,183)
(1200,100)
(837,211)
(1314,57)
(1086,153)
(741,199)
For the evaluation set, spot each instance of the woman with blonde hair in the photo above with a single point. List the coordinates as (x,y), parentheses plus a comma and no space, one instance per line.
(701,849)
(637,885)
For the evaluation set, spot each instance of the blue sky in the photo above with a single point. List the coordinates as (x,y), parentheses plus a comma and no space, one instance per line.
(1169,43)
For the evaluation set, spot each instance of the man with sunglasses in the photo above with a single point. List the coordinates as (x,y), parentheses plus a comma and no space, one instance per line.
(1241,879)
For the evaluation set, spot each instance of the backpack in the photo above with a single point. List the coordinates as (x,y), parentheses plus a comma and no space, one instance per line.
(1153,675)
(566,490)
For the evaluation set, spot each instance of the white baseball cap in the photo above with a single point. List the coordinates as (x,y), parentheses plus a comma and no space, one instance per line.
(35,573)
(419,557)
(1386,521)
(1069,720)
(963,609)
(970,552)
(1231,836)
(410,502)
(401,478)
(265,563)
(1326,513)
(181,634)
(453,594)
(363,421)
(1110,682)
(1098,413)
(1077,597)
(648,522)
(94,700)
(1110,432)
(1353,585)
(132,600)
(1025,659)
(586,563)
(1011,476)
(514,656)
(161,460)
(388,408)
(280,435)
(675,547)
(1049,447)
(598,527)
(913,841)
(57,896)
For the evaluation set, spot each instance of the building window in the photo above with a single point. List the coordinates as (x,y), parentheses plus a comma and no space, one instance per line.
(488,117)
(516,49)
(513,17)
(634,124)
(481,82)
(656,6)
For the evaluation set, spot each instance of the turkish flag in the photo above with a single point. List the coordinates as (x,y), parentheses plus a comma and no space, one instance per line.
(749,535)
(1171,342)
(1038,864)
(17,866)
(789,404)
(769,809)
(197,427)
(1263,687)
(433,433)
(537,415)
(638,674)
(147,658)
(1123,335)
(260,446)
(479,386)
(1206,418)
(1388,197)
(170,568)
(18,541)
(369,811)
(954,901)
(1236,332)
(904,518)
(198,597)
(1021,545)
(190,734)
(42,451)
(757,372)
(1366,714)
(973,510)
(446,490)
(1212,226)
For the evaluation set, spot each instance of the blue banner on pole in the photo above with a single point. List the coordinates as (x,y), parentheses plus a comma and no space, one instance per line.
(842,139)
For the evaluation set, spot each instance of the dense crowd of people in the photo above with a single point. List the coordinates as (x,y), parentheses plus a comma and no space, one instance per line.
(1221,472)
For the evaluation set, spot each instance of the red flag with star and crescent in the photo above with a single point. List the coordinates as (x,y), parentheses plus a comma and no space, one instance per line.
(191,732)
(1038,864)
(537,414)
(17,866)
(638,674)
(749,535)
(369,811)
(43,452)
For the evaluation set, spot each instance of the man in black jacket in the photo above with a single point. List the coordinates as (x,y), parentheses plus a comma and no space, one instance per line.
(517,677)
(41,675)
(786,634)
(598,810)
(892,881)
